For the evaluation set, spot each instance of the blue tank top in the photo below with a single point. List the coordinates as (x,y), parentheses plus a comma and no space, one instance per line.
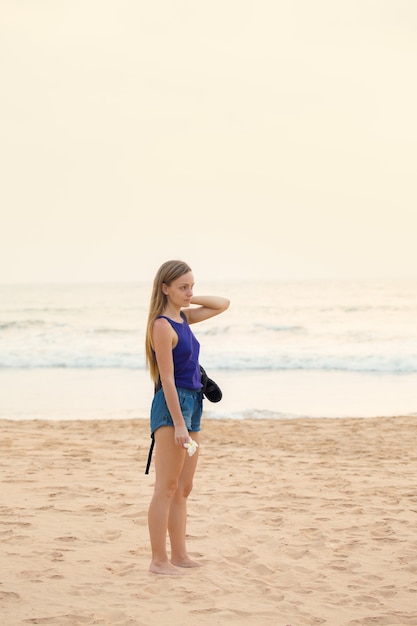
(185,354)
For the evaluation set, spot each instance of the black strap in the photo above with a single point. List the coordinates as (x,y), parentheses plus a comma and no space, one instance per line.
(148,464)
(158,386)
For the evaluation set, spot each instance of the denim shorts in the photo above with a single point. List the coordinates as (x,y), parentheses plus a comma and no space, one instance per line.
(191,403)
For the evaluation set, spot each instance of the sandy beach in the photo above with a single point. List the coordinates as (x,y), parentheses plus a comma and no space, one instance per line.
(295,522)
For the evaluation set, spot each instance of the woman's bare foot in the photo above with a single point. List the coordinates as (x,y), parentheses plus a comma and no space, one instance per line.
(186,562)
(166,569)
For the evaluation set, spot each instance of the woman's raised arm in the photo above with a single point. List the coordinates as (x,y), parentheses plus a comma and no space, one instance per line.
(207,306)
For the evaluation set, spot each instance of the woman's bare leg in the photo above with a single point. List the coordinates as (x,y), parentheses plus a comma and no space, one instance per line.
(169,461)
(177,520)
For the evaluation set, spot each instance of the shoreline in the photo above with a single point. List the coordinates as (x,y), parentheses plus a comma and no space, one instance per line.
(296,521)
(118,394)
(262,418)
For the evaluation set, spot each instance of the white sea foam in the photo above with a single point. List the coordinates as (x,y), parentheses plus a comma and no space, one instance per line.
(352,327)
(280,343)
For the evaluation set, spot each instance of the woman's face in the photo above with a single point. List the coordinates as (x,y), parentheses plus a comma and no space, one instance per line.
(180,291)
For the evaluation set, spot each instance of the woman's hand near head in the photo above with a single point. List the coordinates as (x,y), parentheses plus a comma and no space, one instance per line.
(207,306)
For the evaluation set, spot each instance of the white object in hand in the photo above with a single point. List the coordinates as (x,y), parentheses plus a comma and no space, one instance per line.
(191,447)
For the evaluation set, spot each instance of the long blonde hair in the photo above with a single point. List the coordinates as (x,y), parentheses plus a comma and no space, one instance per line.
(167,273)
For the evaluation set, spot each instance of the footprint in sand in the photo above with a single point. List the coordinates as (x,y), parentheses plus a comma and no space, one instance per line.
(123,571)
(9,595)
(67,539)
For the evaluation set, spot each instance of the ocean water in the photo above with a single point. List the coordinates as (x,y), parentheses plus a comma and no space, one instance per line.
(283,349)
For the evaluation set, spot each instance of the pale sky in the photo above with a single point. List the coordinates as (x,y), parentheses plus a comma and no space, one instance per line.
(251,138)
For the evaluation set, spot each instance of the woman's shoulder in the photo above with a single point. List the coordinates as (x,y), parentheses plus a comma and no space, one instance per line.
(162,323)
(170,321)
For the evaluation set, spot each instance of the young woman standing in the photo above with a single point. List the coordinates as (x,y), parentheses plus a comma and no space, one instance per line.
(172,355)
